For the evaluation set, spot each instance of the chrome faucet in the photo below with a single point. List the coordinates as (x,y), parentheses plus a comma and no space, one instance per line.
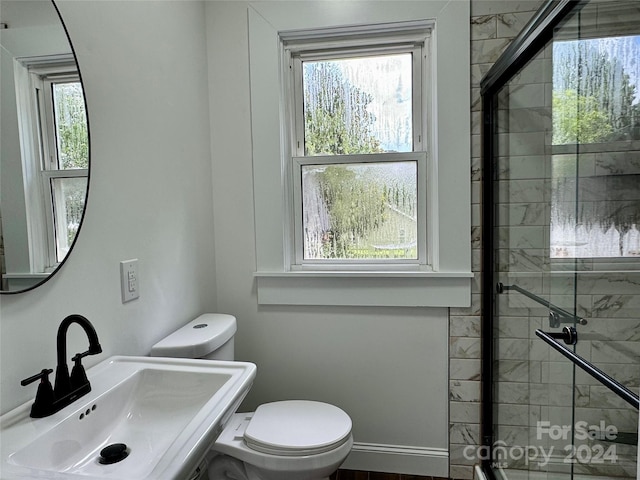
(68,388)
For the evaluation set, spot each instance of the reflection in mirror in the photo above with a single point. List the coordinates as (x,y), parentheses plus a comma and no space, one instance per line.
(44,144)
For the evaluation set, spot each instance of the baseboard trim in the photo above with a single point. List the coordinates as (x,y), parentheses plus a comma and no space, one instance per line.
(405,459)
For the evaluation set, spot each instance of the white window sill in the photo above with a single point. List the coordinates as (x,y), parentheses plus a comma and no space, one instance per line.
(23,280)
(25,276)
(365,288)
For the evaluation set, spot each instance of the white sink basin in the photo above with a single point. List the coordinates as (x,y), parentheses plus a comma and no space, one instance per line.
(167,411)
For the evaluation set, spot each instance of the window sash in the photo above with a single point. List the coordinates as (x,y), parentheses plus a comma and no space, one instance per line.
(51,167)
(360,264)
(54,216)
(317,53)
(46,105)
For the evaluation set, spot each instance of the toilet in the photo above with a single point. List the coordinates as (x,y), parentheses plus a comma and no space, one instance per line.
(286,440)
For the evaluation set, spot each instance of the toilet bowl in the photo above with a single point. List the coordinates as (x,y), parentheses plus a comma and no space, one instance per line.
(286,440)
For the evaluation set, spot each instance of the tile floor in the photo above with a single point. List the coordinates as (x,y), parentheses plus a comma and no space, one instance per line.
(358,475)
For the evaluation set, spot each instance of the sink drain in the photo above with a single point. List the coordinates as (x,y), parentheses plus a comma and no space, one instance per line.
(113,453)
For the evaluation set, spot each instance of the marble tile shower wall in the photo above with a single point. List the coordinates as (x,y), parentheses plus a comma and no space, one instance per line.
(494,24)
(610,302)
(534,382)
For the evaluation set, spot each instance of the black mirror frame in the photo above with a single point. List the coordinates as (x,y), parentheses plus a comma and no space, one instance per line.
(86,199)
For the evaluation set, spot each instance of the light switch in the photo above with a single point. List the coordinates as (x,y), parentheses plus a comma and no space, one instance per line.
(129,279)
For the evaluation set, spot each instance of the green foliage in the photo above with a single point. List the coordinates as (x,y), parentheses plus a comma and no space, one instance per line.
(578,119)
(590,82)
(356,206)
(75,146)
(337,122)
(336,118)
(71,123)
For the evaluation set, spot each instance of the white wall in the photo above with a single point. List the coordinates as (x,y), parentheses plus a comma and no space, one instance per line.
(143,64)
(387,367)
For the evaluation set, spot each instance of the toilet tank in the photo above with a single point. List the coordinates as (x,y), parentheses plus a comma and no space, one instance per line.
(210,336)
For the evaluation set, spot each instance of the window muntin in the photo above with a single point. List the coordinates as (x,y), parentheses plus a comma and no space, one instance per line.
(358,111)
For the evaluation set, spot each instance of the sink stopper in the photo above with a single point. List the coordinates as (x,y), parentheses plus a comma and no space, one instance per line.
(113,453)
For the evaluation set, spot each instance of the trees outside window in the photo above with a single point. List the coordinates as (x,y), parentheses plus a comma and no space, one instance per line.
(596,118)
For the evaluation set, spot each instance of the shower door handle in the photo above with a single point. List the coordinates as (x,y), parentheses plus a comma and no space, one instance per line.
(568,335)
(613,385)
(557,315)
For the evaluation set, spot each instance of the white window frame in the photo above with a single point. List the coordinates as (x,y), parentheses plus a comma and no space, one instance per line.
(34,79)
(446,281)
(335,43)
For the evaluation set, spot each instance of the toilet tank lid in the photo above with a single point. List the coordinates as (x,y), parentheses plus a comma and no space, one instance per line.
(198,338)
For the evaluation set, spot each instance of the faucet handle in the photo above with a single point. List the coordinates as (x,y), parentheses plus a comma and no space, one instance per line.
(43,404)
(43,375)
(78,376)
(92,351)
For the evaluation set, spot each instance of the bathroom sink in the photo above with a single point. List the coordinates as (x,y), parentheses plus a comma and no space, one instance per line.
(166,411)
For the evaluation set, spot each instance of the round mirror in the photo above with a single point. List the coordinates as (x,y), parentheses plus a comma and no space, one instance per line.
(44,144)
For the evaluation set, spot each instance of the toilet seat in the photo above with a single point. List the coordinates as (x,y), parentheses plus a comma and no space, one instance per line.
(289,463)
(297,428)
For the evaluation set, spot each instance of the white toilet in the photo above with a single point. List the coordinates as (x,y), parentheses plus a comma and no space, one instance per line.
(288,440)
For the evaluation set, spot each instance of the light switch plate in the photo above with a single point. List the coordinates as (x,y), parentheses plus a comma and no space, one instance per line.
(129,280)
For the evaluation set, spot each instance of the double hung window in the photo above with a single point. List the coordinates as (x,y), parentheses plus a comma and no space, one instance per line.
(358,141)
(65,171)
(55,156)
(360,129)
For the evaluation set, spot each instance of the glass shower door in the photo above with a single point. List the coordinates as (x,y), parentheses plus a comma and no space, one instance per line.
(533,384)
(595,214)
(565,246)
